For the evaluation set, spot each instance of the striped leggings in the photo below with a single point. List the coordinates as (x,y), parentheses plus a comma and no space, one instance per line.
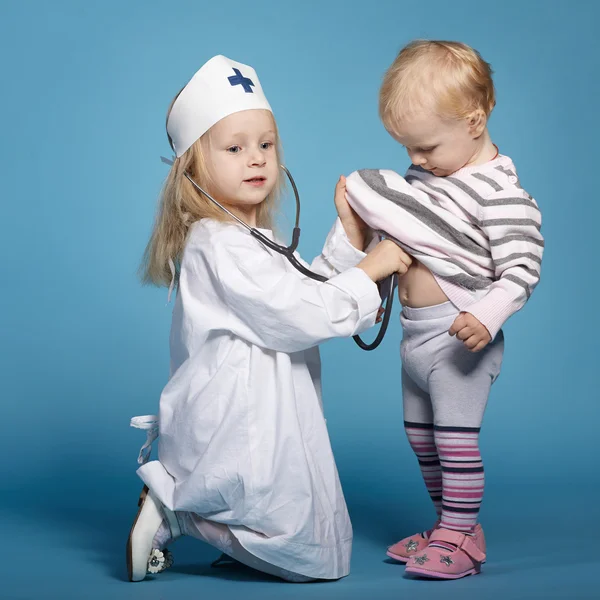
(445,389)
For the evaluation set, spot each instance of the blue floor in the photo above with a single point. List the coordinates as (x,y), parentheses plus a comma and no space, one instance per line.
(540,545)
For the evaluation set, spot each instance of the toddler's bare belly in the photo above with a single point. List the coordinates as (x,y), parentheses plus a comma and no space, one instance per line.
(418,287)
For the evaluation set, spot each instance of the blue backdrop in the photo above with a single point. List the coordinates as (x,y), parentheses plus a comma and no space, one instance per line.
(84,346)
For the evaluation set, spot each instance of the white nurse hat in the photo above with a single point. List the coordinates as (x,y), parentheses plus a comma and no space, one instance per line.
(220,88)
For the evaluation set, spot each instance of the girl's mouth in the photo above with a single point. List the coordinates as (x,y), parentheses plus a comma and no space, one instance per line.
(256,181)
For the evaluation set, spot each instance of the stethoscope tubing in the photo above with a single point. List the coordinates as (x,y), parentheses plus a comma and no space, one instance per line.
(288,252)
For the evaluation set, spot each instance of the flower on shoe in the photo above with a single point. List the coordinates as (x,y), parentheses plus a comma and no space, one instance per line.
(156,561)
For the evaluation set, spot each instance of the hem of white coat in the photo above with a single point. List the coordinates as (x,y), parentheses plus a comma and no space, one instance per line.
(326,562)
(338,251)
(356,283)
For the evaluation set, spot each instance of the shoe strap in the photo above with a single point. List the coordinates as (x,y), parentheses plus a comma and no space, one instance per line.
(460,540)
(171,518)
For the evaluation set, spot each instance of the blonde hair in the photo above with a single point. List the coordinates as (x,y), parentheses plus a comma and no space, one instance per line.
(449,78)
(181,205)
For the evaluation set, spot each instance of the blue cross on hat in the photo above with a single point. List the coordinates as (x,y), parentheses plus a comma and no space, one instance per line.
(239,79)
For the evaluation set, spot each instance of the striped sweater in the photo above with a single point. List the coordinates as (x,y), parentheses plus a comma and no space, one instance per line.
(477,230)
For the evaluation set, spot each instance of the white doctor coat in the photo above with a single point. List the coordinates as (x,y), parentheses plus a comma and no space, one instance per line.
(243,440)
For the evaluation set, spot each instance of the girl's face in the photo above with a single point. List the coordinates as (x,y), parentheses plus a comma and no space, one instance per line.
(438,145)
(242,161)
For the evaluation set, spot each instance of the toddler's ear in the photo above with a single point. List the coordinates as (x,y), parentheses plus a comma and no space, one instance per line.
(477,122)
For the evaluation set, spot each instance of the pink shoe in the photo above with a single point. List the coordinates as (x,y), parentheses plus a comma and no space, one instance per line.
(409,546)
(437,563)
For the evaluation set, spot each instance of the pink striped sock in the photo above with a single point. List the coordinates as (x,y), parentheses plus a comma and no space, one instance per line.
(421,440)
(462,476)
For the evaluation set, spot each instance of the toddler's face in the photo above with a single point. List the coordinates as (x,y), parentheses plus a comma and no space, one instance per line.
(441,146)
(241,153)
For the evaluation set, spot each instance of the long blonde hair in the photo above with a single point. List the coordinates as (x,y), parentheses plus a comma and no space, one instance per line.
(181,205)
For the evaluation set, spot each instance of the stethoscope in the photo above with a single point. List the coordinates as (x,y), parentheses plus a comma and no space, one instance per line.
(386,287)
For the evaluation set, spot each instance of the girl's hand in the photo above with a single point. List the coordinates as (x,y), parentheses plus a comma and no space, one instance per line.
(354,226)
(471,331)
(384,260)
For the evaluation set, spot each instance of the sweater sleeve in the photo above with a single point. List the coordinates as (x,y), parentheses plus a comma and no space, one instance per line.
(512,222)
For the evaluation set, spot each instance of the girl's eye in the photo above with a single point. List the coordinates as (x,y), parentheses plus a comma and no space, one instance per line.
(233,149)
(427,150)
(266,145)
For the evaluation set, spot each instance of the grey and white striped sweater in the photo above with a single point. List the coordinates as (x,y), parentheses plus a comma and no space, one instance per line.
(477,230)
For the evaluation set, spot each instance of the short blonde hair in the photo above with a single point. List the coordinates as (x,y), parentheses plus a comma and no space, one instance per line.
(181,205)
(449,78)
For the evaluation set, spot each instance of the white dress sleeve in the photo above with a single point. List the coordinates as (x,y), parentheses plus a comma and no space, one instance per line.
(338,253)
(275,307)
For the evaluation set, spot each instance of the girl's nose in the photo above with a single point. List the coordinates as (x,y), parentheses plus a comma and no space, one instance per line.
(257,159)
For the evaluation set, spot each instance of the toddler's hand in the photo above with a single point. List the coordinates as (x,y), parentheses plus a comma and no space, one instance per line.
(354,226)
(471,331)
